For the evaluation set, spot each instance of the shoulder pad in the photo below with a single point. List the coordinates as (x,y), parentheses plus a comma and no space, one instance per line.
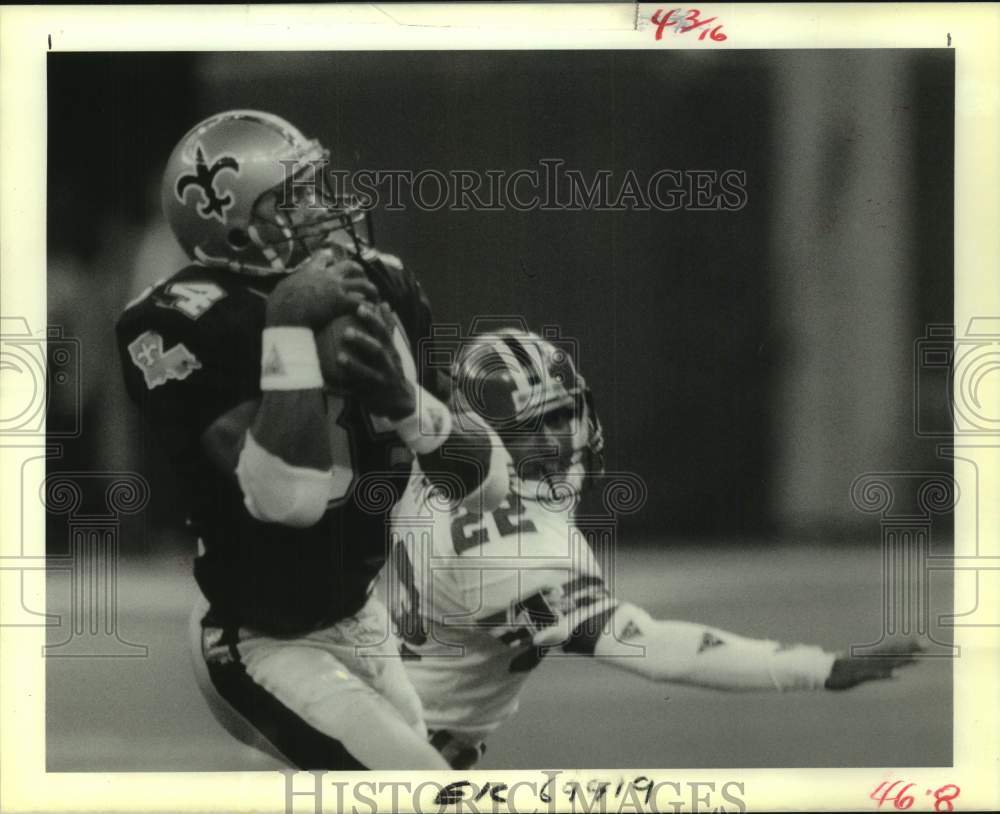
(186,297)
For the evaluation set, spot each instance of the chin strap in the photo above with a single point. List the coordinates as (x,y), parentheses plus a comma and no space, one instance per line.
(555,495)
(237,266)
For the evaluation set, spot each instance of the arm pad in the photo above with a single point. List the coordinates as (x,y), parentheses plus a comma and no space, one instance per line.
(495,486)
(474,458)
(277,492)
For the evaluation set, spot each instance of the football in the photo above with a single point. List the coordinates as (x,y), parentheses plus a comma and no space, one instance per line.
(329,342)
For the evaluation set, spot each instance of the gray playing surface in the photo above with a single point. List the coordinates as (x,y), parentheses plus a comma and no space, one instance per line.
(146,714)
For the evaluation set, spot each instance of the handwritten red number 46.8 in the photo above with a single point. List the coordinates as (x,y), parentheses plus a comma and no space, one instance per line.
(886,792)
(686,21)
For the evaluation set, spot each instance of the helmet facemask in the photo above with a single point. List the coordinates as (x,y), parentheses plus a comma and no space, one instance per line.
(301,216)
(558,452)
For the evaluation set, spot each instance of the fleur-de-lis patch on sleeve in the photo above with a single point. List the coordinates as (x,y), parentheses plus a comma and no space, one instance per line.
(159,366)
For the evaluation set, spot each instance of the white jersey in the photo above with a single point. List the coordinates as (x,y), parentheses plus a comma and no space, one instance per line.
(471,595)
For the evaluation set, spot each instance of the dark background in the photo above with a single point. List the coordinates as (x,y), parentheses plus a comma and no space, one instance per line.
(685,321)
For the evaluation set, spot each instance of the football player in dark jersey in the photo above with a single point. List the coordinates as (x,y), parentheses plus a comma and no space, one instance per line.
(292,652)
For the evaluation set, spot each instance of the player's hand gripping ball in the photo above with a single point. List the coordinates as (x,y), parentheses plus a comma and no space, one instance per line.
(319,290)
(330,345)
(357,354)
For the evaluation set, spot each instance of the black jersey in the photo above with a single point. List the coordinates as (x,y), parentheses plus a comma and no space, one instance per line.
(190,349)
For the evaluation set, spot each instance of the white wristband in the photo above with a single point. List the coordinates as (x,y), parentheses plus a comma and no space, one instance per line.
(289,360)
(428,427)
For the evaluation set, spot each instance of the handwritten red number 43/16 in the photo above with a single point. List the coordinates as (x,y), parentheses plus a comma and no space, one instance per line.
(887,792)
(686,21)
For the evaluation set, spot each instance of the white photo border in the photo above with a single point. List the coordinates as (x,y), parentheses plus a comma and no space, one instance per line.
(28,33)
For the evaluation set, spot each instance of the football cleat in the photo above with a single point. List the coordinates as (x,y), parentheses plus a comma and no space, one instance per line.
(849,671)
(459,753)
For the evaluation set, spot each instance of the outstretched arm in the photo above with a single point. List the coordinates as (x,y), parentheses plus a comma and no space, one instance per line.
(688,653)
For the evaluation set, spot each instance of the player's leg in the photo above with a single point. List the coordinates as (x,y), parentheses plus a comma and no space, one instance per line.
(227,716)
(467,688)
(687,653)
(439,685)
(394,685)
(327,696)
(300,704)
(370,649)
(249,712)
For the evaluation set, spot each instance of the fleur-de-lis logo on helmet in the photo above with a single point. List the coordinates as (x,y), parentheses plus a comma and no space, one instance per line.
(213,205)
(247,191)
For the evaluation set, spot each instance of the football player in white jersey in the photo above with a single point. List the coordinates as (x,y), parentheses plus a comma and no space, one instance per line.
(478,600)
